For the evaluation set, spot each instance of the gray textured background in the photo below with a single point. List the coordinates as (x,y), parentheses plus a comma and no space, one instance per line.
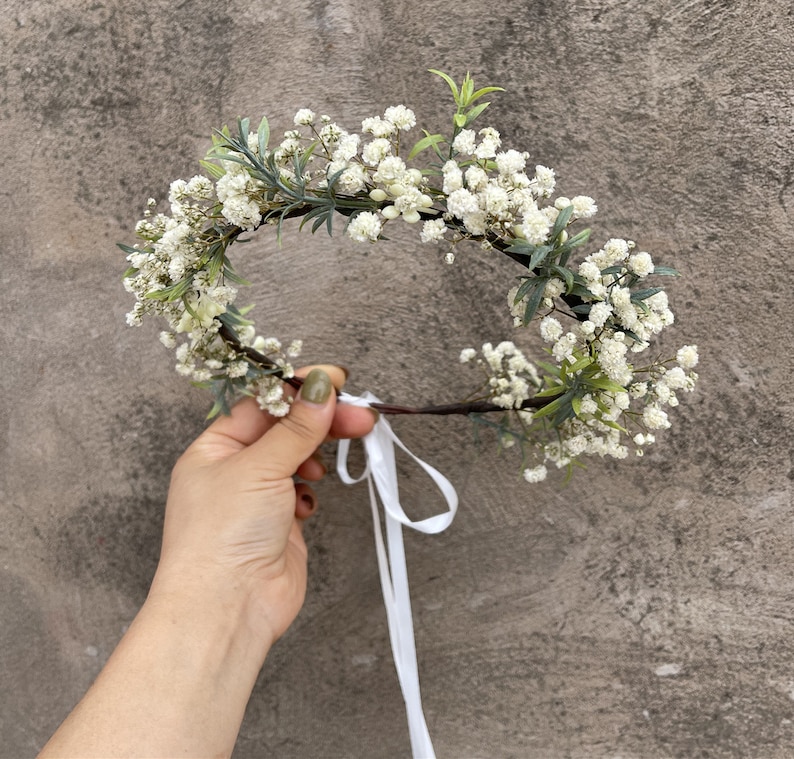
(549,620)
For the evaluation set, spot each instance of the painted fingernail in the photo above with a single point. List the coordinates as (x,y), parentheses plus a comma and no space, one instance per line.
(316,387)
(375,413)
(309,501)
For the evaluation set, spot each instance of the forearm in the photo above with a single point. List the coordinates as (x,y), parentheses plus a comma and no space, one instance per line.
(177,685)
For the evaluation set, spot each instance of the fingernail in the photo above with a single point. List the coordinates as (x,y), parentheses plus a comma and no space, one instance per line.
(310,502)
(375,413)
(346,371)
(316,387)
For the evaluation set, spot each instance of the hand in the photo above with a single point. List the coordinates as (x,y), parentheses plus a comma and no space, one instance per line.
(234,514)
(231,578)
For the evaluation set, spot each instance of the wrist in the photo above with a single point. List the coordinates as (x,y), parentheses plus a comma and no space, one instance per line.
(211,608)
(181,677)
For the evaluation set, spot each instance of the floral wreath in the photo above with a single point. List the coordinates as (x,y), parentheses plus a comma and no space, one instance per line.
(589,396)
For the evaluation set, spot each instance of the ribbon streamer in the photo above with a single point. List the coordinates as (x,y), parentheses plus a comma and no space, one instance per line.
(381,475)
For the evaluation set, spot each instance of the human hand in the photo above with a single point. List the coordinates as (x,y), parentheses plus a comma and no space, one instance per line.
(234,514)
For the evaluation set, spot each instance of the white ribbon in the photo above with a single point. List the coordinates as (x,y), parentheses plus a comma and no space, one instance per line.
(381,475)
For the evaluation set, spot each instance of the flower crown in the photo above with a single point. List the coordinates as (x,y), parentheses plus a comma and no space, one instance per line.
(588,396)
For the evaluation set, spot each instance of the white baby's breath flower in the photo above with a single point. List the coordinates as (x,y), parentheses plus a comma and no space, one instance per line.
(536,474)
(377,127)
(584,207)
(550,329)
(375,151)
(391,169)
(687,356)
(640,264)
(536,227)
(304,117)
(476,178)
(453,177)
(510,162)
(464,141)
(365,227)
(599,313)
(655,418)
(544,181)
(467,354)
(403,118)
(554,288)
(491,141)
(433,230)
(168,339)
(462,202)
(589,271)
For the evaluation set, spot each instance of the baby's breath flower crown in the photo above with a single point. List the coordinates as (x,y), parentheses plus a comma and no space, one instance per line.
(593,393)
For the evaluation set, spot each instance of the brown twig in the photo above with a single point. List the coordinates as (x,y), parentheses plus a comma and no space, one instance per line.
(446,409)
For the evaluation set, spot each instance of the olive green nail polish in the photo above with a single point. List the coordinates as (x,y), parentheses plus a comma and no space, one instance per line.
(316,387)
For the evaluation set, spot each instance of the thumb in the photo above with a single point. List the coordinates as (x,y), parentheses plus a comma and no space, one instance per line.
(284,447)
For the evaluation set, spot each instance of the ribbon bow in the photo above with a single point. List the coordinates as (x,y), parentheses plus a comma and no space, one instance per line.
(381,476)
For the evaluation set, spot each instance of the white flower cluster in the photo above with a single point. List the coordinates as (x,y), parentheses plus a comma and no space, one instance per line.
(511,377)
(175,255)
(608,395)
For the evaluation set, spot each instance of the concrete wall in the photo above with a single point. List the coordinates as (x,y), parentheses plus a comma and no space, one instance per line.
(645,610)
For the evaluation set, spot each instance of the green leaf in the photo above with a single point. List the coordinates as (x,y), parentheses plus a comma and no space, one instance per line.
(560,407)
(427,141)
(448,79)
(613,425)
(550,392)
(233,318)
(128,248)
(645,294)
(172,292)
(604,383)
(554,371)
(563,217)
(576,366)
(219,406)
(215,264)
(581,291)
(576,405)
(564,274)
(213,169)
(263,136)
(580,238)
(232,276)
(533,302)
(564,250)
(130,272)
(484,91)
(528,284)
(666,271)
(548,409)
(521,246)
(460,120)
(466,90)
(474,113)
(539,256)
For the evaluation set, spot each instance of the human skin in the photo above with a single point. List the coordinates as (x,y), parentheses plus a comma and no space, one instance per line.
(230,581)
